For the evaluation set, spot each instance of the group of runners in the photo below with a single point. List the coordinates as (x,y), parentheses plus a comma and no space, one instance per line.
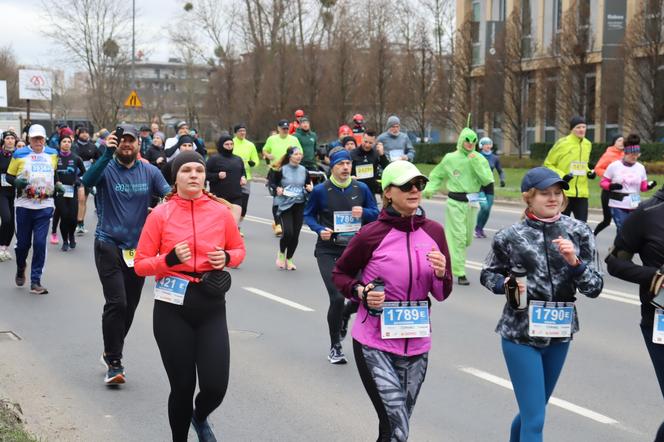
(378,254)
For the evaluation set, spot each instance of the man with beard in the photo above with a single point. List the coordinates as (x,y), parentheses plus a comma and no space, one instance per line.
(124,189)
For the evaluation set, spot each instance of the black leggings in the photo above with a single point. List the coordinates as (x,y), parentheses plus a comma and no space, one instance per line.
(291,224)
(579,207)
(67,208)
(326,259)
(275,217)
(656,352)
(245,204)
(606,213)
(56,220)
(192,340)
(6,218)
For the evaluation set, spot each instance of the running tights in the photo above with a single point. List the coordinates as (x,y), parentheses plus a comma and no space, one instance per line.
(6,218)
(606,213)
(656,352)
(326,260)
(291,224)
(578,207)
(485,211)
(192,341)
(393,383)
(534,372)
(67,208)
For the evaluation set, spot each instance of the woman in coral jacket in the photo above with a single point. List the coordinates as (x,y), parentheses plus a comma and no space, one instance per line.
(409,254)
(613,153)
(186,243)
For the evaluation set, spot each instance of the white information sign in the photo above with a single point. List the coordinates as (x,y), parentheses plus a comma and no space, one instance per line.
(34,84)
(3,93)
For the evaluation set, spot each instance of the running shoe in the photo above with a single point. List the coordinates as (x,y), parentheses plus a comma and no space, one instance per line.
(203,430)
(65,246)
(463,280)
(80,230)
(72,244)
(8,255)
(37,289)
(281,260)
(4,256)
(115,374)
(290,265)
(104,361)
(478,234)
(337,355)
(54,238)
(20,277)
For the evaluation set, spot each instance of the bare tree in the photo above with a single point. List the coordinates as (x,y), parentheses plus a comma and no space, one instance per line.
(462,57)
(420,69)
(644,79)
(9,72)
(96,39)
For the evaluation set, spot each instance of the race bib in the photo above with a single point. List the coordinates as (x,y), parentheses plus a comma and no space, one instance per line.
(3,180)
(364,171)
(578,168)
(658,327)
(171,289)
(475,199)
(634,200)
(345,222)
(128,256)
(394,155)
(550,319)
(400,321)
(69,191)
(87,164)
(293,191)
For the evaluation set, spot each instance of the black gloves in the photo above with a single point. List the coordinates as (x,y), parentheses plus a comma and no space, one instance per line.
(615,186)
(567,178)
(651,184)
(592,175)
(251,163)
(502,183)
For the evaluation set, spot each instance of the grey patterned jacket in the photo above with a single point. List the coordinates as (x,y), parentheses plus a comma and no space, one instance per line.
(529,244)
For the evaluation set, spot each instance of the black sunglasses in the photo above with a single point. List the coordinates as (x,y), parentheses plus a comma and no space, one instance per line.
(419,184)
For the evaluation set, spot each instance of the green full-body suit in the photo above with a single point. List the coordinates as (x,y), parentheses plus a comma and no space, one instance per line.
(465,172)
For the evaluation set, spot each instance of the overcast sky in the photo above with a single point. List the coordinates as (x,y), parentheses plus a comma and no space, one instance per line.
(20,21)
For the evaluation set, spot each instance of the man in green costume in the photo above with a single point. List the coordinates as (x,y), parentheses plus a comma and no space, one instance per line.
(465,172)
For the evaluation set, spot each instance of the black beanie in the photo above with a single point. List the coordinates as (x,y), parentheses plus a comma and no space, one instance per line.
(185,139)
(185,157)
(345,140)
(575,121)
(614,139)
(222,139)
(238,127)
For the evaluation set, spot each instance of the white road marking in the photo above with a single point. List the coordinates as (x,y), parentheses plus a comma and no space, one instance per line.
(268,222)
(279,299)
(581,411)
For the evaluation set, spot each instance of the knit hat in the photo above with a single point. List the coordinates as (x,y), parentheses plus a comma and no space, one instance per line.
(184,139)
(391,121)
(339,156)
(344,129)
(615,138)
(9,133)
(222,139)
(485,140)
(575,121)
(632,149)
(66,132)
(239,126)
(345,140)
(160,135)
(189,156)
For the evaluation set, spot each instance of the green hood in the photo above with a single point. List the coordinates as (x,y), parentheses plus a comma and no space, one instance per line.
(469,134)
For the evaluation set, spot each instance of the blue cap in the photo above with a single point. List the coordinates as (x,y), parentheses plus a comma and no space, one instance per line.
(339,156)
(541,178)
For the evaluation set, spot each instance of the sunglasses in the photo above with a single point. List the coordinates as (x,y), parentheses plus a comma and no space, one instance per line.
(419,184)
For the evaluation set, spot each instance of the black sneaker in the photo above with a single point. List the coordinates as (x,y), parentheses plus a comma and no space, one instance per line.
(344,327)
(72,244)
(37,289)
(203,430)
(20,277)
(463,280)
(115,374)
(337,355)
(65,246)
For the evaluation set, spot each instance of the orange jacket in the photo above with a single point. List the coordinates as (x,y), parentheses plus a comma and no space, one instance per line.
(203,223)
(611,154)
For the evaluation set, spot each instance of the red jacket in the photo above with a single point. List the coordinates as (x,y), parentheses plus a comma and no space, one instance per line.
(204,223)
(611,154)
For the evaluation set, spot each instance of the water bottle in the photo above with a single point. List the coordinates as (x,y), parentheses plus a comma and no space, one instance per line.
(379,286)
(516,298)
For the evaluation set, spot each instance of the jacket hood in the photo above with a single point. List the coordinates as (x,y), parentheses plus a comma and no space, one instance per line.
(466,133)
(404,223)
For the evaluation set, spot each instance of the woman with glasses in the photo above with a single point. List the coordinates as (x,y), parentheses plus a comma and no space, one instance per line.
(389,268)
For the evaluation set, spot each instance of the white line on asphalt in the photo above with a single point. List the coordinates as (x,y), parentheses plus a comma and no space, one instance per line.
(267,222)
(582,411)
(279,299)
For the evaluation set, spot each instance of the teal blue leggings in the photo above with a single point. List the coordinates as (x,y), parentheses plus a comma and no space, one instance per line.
(534,373)
(485,211)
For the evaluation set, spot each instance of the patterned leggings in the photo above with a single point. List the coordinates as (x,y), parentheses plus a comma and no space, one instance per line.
(393,383)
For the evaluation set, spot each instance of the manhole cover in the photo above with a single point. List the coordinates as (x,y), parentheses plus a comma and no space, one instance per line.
(9,336)
(250,334)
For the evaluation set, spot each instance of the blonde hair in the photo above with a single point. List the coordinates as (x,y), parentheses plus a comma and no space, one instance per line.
(530,194)
(212,196)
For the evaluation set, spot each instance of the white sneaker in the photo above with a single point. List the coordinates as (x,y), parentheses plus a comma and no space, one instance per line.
(5,255)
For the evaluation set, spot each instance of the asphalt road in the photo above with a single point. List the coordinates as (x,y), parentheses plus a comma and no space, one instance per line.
(282,388)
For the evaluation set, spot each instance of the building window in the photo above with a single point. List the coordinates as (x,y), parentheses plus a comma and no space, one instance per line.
(654,23)
(498,11)
(589,99)
(584,28)
(475,32)
(557,25)
(550,110)
(526,28)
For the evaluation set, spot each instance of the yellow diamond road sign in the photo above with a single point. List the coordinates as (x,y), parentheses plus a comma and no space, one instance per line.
(133,100)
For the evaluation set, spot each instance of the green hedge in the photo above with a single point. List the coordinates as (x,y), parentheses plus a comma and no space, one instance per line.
(432,153)
(649,152)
